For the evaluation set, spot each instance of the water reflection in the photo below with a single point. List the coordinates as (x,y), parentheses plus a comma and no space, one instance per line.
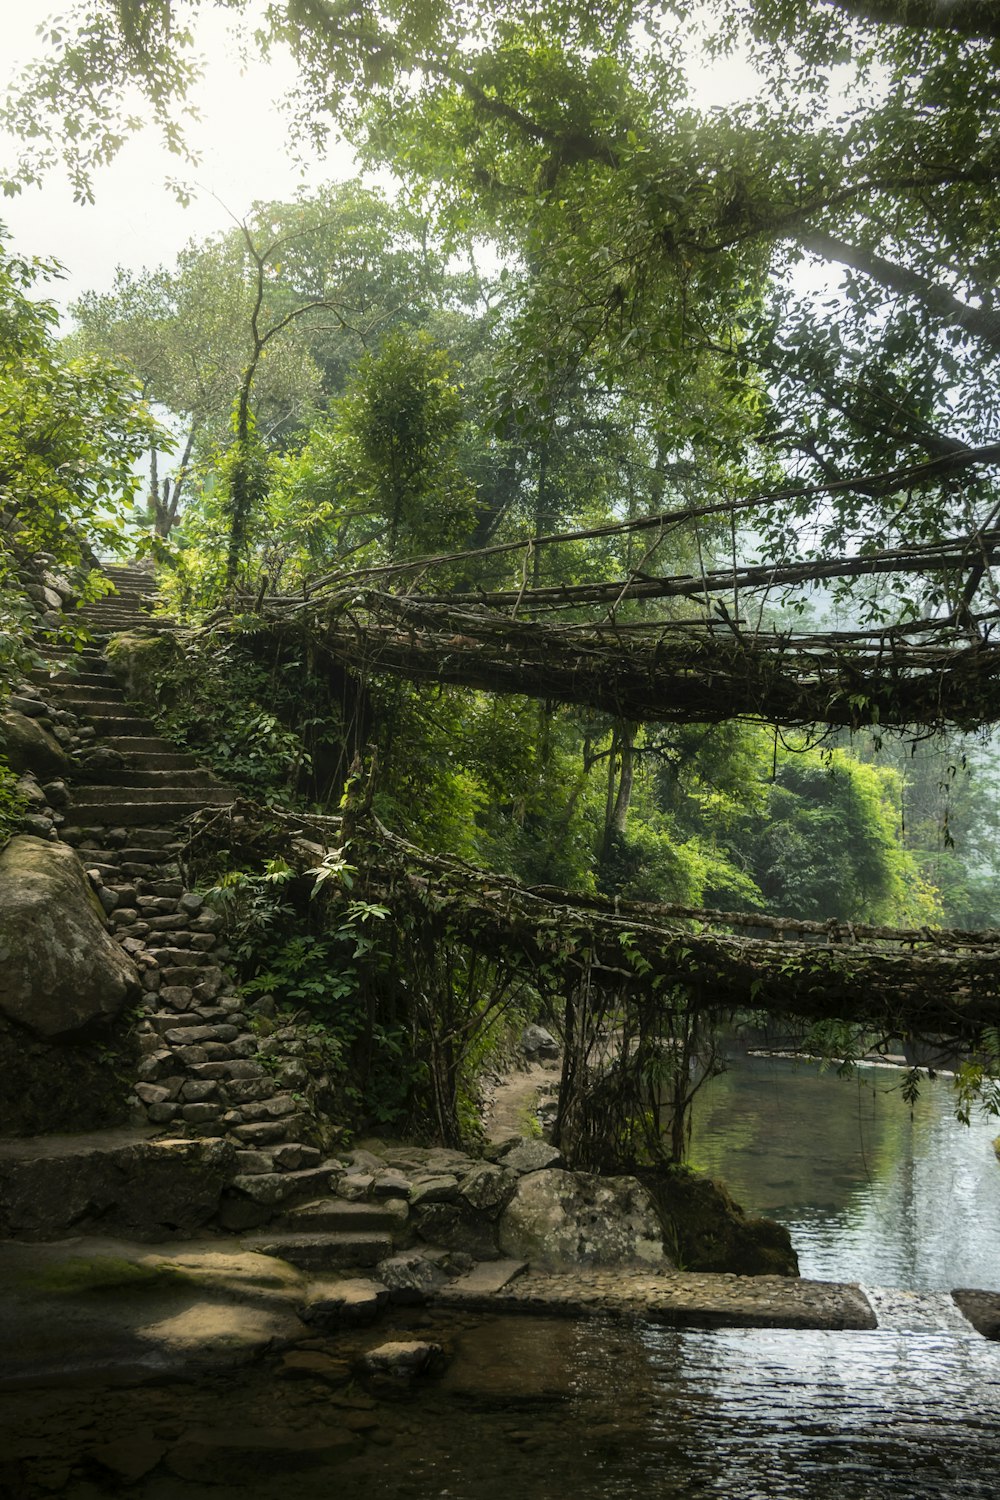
(537,1410)
(783,1414)
(869,1190)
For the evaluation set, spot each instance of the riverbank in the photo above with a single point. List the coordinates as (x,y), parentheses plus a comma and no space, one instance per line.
(83,1310)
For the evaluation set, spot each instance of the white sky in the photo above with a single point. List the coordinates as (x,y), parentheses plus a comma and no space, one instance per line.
(242,140)
(136,220)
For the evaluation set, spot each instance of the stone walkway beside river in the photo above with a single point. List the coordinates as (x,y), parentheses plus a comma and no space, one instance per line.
(678,1299)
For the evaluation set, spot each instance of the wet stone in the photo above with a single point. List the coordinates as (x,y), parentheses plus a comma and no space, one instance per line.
(262,1133)
(197,1114)
(244,1068)
(161,925)
(355,1186)
(217,1051)
(391,1184)
(177,996)
(191,1055)
(152,1093)
(351,1303)
(197,1091)
(249,1090)
(253,1163)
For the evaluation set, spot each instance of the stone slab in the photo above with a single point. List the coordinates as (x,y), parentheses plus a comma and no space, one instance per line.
(678,1299)
(982,1310)
(484,1280)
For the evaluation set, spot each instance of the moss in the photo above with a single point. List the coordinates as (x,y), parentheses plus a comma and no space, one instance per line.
(142,661)
(706,1230)
(82,1275)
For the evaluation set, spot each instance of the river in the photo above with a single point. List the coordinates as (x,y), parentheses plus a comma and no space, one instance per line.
(869,1189)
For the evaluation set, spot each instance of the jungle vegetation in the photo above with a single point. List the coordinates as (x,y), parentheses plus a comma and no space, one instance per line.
(592,301)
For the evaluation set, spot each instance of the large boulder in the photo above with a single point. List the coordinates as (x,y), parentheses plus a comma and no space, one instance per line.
(558,1219)
(61,974)
(708,1231)
(28,746)
(145,663)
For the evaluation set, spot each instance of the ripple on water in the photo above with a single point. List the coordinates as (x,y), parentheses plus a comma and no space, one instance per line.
(788,1415)
(621,1412)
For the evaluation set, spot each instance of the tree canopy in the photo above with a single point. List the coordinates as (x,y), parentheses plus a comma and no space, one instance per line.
(661,248)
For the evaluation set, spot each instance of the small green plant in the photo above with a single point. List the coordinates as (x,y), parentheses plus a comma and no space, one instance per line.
(13,804)
(305,941)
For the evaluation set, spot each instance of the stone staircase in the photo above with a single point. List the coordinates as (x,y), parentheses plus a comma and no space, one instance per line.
(207,1069)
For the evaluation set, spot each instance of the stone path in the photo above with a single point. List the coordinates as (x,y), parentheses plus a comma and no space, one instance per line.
(210,1067)
(678,1299)
(513,1100)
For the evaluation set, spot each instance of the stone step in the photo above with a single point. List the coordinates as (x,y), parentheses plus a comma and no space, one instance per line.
(155,790)
(111,609)
(339,1215)
(65,679)
(140,744)
(122,597)
(123,723)
(484,1280)
(138,814)
(117,858)
(131,573)
(150,777)
(153,837)
(107,700)
(112,624)
(323,1252)
(161,760)
(98,1182)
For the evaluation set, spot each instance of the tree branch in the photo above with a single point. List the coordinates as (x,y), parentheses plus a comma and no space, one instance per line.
(982,323)
(973,18)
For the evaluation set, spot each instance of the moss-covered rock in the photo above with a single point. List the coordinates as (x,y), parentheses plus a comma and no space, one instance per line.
(28,746)
(142,658)
(147,1189)
(707,1231)
(558,1219)
(61,974)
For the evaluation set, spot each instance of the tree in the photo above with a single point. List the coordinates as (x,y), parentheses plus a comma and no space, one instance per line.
(71,430)
(656,253)
(398,427)
(660,239)
(267,320)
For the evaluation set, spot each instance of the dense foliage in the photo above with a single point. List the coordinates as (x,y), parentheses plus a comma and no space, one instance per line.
(774,321)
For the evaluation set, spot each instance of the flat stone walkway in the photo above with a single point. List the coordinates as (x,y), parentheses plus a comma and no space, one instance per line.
(679,1299)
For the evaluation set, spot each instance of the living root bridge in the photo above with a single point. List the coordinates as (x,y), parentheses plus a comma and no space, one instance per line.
(696,671)
(905,982)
